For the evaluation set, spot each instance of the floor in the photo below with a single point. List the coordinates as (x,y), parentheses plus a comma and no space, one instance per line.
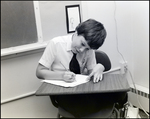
(141,115)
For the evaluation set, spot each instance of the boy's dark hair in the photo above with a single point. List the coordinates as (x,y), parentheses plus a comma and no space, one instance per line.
(93,32)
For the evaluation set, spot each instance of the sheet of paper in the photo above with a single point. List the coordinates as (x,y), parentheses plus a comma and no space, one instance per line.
(79,79)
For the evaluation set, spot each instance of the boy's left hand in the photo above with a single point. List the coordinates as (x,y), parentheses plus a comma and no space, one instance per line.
(97,73)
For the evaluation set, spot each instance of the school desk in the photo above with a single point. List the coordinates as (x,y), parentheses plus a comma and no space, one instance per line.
(110,83)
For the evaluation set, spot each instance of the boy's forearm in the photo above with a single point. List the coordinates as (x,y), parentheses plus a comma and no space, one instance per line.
(48,74)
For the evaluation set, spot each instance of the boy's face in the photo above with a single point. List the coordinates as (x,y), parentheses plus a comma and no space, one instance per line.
(79,44)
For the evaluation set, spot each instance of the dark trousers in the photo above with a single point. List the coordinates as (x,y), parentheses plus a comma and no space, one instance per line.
(83,104)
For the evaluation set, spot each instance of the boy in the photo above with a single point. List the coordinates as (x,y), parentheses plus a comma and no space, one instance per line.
(55,64)
(89,35)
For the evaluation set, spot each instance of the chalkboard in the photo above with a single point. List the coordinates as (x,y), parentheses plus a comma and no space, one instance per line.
(18,26)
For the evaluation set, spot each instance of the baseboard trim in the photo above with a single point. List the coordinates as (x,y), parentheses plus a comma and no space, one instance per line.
(141,93)
(18,97)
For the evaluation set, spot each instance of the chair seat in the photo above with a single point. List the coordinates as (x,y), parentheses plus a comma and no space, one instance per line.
(103,113)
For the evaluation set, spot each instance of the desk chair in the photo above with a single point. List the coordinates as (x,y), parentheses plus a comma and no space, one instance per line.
(108,110)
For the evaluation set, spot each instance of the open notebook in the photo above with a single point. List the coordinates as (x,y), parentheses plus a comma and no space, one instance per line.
(79,79)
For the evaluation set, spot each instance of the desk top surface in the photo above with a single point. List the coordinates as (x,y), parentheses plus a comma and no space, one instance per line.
(110,83)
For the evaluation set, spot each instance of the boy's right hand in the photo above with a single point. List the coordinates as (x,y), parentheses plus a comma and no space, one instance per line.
(69,76)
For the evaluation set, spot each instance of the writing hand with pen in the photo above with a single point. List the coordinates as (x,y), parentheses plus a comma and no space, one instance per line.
(69,76)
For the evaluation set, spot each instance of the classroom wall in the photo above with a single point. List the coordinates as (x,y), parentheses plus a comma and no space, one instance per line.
(132,41)
(141,43)
(105,13)
(53,18)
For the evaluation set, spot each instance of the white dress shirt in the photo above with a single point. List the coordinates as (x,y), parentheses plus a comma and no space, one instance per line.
(57,55)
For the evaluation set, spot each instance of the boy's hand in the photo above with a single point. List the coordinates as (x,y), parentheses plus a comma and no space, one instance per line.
(69,76)
(97,73)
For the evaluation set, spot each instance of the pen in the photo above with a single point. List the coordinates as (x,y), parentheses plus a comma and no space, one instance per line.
(65,68)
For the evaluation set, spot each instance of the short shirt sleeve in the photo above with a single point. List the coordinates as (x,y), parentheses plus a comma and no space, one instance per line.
(49,55)
(91,60)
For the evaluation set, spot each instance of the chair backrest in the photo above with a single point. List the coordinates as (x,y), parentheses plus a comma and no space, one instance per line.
(102,57)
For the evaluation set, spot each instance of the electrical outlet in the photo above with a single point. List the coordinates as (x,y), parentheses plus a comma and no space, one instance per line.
(123,66)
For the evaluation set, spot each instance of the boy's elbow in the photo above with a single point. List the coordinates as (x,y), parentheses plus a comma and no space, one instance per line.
(38,73)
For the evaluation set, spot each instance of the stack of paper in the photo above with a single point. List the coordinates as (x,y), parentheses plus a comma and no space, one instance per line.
(79,79)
